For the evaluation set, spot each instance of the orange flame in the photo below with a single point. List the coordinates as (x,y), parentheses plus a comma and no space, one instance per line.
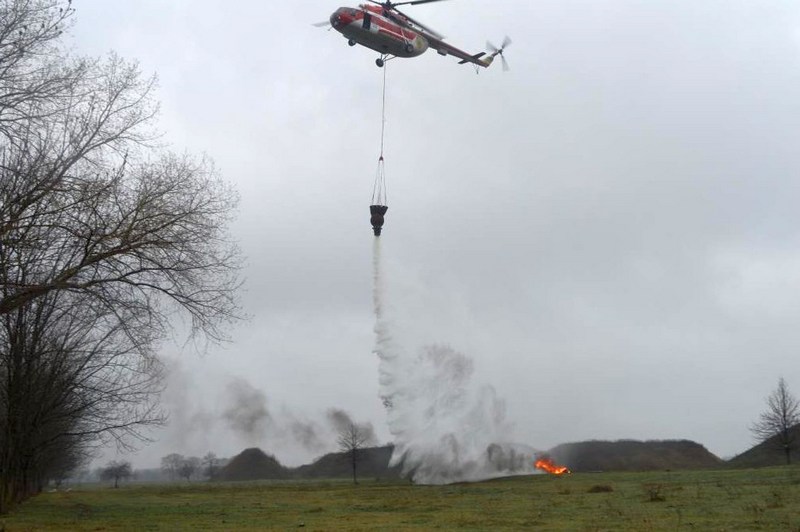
(545,464)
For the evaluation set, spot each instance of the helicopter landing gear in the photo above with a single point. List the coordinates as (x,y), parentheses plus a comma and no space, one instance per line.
(409,47)
(351,42)
(380,62)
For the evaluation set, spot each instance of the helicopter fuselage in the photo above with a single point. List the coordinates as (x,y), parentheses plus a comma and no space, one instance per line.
(370,27)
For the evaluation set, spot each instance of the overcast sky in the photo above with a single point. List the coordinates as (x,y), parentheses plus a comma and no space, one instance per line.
(610,230)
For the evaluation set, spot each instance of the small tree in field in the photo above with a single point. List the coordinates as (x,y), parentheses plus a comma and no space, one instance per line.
(353,438)
(188,467)
(211,463)
(783,413)
(116,471)
(171,464)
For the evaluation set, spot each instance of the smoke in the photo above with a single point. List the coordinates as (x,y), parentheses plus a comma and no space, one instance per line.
(306,434)
(247,413)
(340,421)
(242,415)
(445,428)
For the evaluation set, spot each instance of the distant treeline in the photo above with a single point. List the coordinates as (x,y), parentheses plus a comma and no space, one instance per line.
(373,462)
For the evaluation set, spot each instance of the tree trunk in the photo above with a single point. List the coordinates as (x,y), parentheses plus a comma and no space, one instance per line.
(787,447)
(354,467)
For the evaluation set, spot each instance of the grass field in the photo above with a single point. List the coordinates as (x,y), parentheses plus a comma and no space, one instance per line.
(753,499)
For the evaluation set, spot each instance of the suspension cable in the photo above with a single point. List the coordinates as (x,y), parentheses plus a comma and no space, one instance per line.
(383,109)
(379,195)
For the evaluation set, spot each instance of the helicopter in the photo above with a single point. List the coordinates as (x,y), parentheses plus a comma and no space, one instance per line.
(382,27)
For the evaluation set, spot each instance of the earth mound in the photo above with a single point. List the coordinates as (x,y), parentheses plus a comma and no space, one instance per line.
(770,452)
(632,455)
(371,462)
(253,464)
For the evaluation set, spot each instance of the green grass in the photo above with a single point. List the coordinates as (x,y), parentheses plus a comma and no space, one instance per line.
(753,499)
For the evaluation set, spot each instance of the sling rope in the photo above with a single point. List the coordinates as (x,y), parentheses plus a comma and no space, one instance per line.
(383,109)
(379,195)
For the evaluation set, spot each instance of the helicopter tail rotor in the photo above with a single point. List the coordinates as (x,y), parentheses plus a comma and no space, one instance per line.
(495,51)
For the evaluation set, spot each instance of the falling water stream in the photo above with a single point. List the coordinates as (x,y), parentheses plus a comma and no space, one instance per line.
(445,428)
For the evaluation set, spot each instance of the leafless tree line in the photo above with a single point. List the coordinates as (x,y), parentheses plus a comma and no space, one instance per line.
(178,466)
(104,236)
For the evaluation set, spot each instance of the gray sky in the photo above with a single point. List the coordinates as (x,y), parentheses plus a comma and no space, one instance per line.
(609,230)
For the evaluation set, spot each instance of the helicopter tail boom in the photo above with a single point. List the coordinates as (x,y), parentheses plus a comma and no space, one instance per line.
(475,58)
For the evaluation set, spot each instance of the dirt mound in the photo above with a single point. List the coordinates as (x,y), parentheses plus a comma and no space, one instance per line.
(253,464)
(632,455)
(373,462)
(770,452)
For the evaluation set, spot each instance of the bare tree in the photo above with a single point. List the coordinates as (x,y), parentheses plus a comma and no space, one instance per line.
(132,234)
(33,77)
(70,380)
(188,467)
(103,234)
(211,463)
(353,438)
(171,464)
(87,194)
(777,422)
(116,471)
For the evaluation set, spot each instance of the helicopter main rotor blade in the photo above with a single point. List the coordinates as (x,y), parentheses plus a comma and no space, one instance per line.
(434,33)
(390,5)
(416,2)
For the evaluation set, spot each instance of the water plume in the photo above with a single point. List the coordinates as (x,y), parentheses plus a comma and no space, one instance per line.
(445,428)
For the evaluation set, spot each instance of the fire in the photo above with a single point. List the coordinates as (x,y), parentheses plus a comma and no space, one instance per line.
(545,464)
